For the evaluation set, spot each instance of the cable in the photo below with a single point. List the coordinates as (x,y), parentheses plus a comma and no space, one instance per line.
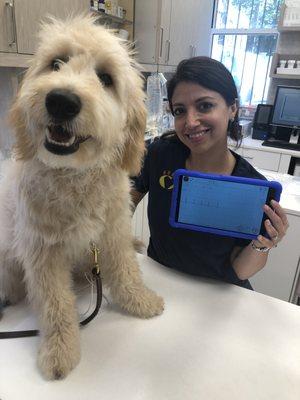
(34,332)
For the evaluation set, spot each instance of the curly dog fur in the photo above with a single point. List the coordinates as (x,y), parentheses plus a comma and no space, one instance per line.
(79,120)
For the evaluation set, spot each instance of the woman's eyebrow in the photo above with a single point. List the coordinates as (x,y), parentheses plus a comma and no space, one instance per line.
(205,98)
(196,101)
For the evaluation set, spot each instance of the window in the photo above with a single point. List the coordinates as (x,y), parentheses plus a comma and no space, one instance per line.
(244,39)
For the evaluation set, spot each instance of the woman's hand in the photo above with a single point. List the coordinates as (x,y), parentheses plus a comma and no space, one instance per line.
(276,226)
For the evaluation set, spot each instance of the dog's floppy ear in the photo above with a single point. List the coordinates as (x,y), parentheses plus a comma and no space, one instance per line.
(23,147)
(135,128)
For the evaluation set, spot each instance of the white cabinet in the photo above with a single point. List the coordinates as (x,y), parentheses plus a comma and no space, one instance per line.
(279,277)
(19,23)
(261,159)
(29,13)
(7,27)
(167,31)
(190,29)
(164,44)
(267,158)
(140,226)
(145,27)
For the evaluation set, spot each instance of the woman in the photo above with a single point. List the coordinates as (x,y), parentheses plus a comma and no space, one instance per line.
(203,99)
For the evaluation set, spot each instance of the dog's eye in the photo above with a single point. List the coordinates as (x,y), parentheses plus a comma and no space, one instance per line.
(57,63)
(106,79)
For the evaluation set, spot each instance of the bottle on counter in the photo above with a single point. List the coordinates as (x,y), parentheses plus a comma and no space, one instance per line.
(108,6)
(167,118)
(94,4)
(101,5)
(114,7)
(156,90)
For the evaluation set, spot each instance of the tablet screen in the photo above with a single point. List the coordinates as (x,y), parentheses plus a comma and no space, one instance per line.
(224,205)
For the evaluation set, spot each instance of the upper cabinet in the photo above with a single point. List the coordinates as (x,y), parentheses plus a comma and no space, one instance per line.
(190,29)
(7,27)
(29,13)
(19,23)
(167,31)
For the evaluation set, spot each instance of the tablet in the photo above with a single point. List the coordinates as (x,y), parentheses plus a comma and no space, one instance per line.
(221,204)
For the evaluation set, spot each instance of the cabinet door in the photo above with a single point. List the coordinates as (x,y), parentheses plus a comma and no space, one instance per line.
(28,14)
(7,27)
(202,27)
(140,224)
(145,30)
(260,159)
(164,32)
(181,31)
(190,29)
(277,278)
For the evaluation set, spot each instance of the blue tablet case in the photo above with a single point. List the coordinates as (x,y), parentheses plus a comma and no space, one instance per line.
(218,178)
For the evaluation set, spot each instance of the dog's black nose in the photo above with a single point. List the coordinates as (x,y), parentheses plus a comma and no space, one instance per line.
(62,104)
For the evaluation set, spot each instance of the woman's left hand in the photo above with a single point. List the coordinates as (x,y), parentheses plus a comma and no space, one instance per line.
(276,226)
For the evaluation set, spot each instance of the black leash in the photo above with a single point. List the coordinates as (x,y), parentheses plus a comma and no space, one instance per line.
(97,278)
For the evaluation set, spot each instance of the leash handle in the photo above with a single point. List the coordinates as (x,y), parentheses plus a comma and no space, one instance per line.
(34,332)
(97,277)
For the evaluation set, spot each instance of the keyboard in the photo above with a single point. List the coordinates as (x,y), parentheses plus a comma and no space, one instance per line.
(281,144)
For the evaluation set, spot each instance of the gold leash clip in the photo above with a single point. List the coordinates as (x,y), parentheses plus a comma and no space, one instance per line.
(95,251)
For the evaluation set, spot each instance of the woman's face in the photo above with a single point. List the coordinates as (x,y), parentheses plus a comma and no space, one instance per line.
(201,117)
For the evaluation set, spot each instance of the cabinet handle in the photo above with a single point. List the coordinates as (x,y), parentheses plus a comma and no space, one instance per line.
(10,22)
(168,51)
(161,40)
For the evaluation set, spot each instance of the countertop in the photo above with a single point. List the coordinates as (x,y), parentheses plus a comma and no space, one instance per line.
(214,341)
(290,198)
(249,143)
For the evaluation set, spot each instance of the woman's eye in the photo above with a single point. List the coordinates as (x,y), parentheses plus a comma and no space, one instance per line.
(106,79)
(204,107)
(178,111)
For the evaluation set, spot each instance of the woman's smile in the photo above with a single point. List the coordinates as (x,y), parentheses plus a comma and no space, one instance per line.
(198,136)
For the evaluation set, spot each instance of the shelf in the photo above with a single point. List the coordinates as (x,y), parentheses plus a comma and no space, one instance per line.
(289,29)
(15,60)
(111,18)
(284,76)
(286,28)
(275,63)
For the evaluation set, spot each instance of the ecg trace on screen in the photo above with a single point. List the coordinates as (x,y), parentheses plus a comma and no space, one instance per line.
(222,204)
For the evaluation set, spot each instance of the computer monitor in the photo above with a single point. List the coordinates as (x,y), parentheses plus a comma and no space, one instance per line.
(286,111)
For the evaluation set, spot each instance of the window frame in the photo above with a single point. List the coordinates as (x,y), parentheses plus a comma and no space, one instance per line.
(241,31)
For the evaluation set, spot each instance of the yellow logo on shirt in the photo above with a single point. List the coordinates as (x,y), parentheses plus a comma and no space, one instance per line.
(166,180)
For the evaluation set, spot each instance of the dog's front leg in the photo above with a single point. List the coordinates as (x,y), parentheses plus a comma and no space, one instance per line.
(121,271)
(49,283)
(127,287)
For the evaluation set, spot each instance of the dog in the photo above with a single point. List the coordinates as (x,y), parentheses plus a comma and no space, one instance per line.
(79,120)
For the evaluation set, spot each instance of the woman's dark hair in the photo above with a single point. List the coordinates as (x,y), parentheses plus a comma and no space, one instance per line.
(212,75)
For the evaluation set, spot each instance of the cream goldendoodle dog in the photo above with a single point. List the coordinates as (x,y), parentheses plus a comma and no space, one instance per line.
(79,119)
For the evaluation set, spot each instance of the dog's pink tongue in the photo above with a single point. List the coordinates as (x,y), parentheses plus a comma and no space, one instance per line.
(59,134)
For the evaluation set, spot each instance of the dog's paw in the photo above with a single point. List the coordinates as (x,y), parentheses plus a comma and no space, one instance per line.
(144,304)
(57,357)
